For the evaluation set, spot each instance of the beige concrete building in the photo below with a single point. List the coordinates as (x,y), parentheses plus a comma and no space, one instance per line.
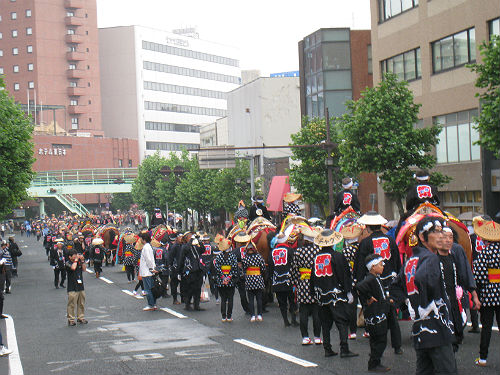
(428,43)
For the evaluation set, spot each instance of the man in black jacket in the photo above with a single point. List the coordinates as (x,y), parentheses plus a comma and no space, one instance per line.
(421,192)
(258,209)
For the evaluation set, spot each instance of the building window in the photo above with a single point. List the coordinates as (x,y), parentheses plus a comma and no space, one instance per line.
(1,70)
(31,84)
(70,14)
(29,31)
(29,49)
(407,66)
(73,102)
(30,66)
(457,202)
(72,66)
(454,50)
(494,27)
(16,86)
(15,68)
(171,69)
(129,163)
(1,52)
(15,51)
(90,119)
(167,146)
(70,31)
(171,127)
(456,140)
(74,123)
(169,107)
(370,62)
(390,8)
(90,102)
(71,48)
(1,35)
(120,163)
(13,16)
(72,84)
(184,90)
(28,13)
(14,33)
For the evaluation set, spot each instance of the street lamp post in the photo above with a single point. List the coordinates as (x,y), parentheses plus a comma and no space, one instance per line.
(329,146)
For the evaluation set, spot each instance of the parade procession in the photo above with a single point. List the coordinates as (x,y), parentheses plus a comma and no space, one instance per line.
(266,187)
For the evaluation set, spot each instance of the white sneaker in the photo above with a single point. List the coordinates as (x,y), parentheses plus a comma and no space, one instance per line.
(217,301)
(259,318)
(252,319)
(229,320)
(306,341)
(318,341)
(143,293)
(481,362)
(4,351)
(224,320)
(134,292)
(148,308)
(351,336)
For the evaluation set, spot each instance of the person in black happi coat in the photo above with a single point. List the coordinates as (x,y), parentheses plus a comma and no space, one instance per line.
(258,209)
(385,246)
(421,192)
(376,307)
(331,284)
(193,270)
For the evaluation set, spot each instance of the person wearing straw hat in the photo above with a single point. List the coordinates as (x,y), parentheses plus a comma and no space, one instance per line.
(254,267)
(129,260)
(97,255)
(241,214)
(302,265)
(385,246)
(421,192)
(290,204)
(58,258)
(226,276)
(487,275)
(280,262)
(346,198)
(351,234)
(241,240)
(332,285)
(420,283)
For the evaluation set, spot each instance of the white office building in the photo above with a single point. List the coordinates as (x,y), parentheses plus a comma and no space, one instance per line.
(160,87)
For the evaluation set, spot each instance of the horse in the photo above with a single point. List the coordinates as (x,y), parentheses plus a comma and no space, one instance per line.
(407,238)
(109,235)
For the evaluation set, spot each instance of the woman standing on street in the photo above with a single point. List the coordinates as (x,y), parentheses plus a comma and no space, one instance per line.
(226,271)
(254,267)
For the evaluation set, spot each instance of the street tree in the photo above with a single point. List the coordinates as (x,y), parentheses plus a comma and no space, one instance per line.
(16,152)
(144,187)
(379,135)
(488,71)
(122,201)
(309,173)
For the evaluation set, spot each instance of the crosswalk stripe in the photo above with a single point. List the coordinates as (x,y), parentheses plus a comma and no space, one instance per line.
(131,294)
(106,280)
(172,312)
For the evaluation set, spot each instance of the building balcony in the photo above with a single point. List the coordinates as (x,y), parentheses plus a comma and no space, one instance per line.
(74,38)
(75,73)
(76,91)
(74,4)
(75,56)
(76,109)
(73,21)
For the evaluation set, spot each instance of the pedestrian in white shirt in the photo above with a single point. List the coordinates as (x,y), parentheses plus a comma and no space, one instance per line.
(147,269)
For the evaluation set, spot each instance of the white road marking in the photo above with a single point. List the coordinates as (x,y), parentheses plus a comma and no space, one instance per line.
(276,353)
(106,280)
(172,312)
(96,310)
(142,357)
(131,294)
(68,364)
(15,365)
(89,270)
(481,326)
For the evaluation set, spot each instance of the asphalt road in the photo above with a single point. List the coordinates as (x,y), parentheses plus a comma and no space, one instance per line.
(122,339)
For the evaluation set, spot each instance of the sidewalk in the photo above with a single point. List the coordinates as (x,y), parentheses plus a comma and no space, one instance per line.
(10,364)
(4,361)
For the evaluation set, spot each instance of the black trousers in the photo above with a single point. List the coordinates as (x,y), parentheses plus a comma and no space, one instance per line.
(378,344)
(183,288)
(353,314)
(174,283)
(57,272)
(286,301)
(194,281)
(305,311)
(214,290)
(130,270)
(243,294)
(436,361)
(487,314)
(393,326)
(8,277)
(139,285)
(339,315)
(97,267)
(226,304)
(257,295)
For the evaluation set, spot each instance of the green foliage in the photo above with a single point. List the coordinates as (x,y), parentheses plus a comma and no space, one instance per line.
(309,173)
(488,123)
(16,152)
(122,201)
(378,135)
(144,191)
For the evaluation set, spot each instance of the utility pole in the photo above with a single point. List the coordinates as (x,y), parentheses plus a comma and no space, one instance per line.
(329,146)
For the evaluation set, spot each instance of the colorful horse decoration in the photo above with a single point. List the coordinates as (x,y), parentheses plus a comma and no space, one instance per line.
(407,238)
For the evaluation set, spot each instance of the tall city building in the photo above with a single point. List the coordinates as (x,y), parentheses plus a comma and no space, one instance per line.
(429,44)
(160,87)
(50,59)
(335,66)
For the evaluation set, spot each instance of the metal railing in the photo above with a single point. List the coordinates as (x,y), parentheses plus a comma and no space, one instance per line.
(72,204)
(85,177)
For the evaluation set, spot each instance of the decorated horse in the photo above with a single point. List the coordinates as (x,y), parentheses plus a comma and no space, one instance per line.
(110,235)
(407,239)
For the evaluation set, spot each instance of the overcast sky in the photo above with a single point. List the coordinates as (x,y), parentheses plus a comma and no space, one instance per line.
(265,32)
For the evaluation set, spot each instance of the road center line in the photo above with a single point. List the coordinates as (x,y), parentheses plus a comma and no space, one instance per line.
(15,365)
(276,353)
(173,312)
(106,280)
(131,294)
